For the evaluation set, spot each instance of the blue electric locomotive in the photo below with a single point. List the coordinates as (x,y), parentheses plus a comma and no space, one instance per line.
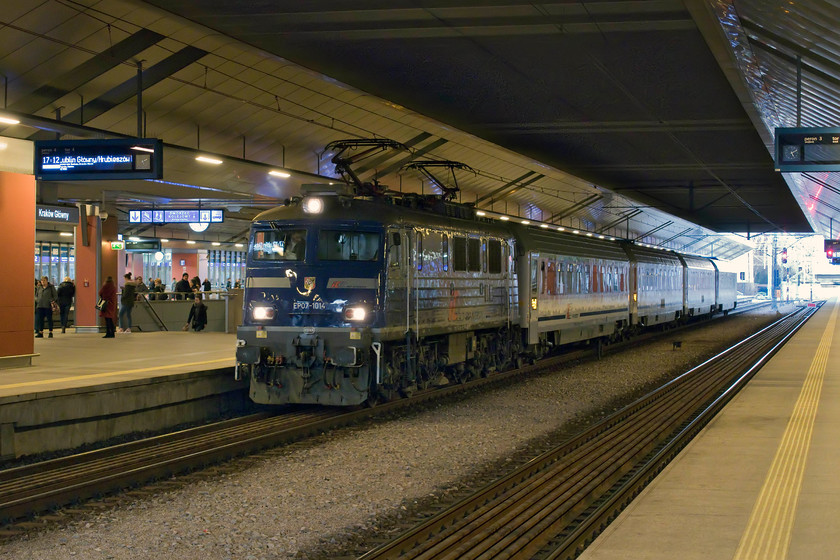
(351,299)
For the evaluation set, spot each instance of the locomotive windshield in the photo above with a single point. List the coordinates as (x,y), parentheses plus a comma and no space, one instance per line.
(279,245)
(347,245)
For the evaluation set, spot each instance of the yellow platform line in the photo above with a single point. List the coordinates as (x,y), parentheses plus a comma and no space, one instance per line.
(110,373)
(768,532)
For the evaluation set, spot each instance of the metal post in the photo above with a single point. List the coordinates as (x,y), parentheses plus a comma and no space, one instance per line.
(139,99)
(771,279)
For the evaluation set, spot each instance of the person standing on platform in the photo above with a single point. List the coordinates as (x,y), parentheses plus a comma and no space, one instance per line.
(108,292)
(129,294)
(66,291)
(198,315)
(45,298)
(207,285)
(141,288)
(183,287)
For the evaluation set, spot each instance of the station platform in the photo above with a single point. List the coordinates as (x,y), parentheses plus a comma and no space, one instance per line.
(84,389)
(760,481)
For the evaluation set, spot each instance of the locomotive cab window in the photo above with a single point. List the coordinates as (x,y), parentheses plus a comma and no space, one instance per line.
(279,245)
(459,254)
(494,256)
(474,255)
(335,245)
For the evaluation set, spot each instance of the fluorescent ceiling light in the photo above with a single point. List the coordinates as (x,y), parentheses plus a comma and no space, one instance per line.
(544,226)
(480,213)
(143,149)
(164,241)
(504,218)
(215,244)
(190,242)
(525,222)
(282,174)
(132,238)
(240,245)
(66,234)
(9,120)
(206,159)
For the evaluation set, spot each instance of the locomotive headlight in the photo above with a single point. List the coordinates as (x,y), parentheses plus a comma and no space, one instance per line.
(262,313)
(355,313)
(313,205)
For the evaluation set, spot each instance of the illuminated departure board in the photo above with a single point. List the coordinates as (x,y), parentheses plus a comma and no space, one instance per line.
(86,160)
(176,216)
(808,149)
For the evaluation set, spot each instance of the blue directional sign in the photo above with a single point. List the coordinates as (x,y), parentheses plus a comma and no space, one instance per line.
(176,216)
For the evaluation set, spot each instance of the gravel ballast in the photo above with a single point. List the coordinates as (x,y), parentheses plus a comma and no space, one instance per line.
(294,502)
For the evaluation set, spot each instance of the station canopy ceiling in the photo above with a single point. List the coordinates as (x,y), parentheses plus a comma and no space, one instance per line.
(650,120)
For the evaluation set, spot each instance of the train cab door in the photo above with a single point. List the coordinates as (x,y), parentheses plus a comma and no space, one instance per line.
(401,281)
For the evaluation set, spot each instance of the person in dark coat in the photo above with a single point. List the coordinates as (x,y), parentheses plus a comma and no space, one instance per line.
(45,297)
(108,292)
(207,285)
(66,291)
(183,287)
(129,295)
(198,315)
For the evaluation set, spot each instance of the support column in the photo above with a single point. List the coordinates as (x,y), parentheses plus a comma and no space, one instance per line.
(94,263)
(17,298)
(87,271)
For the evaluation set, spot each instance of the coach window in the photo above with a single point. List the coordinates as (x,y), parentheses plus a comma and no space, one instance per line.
(551,278)
(444,251)
(419,251)
(459,254)
(474,254)
(494,256)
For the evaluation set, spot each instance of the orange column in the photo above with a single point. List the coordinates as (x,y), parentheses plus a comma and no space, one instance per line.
(17,298)
(87,275)
(94,263)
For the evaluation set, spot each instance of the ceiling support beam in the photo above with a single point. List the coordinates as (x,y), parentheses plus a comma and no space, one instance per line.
(510,187)
(588,201)
(411,156)
(654,230)
(118,54)
(680,234)
(128,89)
(627,216)
(375,162)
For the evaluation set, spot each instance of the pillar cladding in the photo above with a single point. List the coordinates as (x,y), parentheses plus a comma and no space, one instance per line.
(17,297)
(94,263)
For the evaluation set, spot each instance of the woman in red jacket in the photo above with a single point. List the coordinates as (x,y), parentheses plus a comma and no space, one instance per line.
(108,292)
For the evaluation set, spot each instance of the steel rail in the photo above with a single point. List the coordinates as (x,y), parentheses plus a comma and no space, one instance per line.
(555,504)
(31,489)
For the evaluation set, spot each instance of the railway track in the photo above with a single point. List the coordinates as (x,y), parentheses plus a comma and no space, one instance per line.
(32,489)
(553,506)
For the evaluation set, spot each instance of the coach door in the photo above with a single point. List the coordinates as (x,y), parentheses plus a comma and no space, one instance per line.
(529,279)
